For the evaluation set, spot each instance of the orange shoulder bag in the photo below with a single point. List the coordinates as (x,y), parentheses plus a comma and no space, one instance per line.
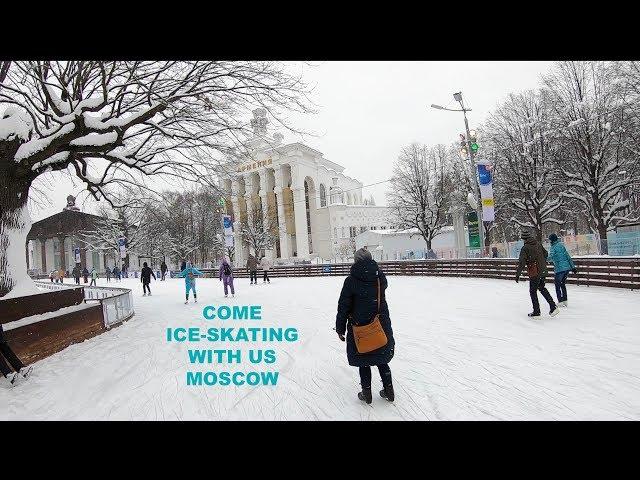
(370,337)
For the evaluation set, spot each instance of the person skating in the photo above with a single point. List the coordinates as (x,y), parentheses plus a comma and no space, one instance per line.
(226,276)
(534,257)
(252,266)
(7,353)
(358,305)
(265,265)
(94,277)
(108,274)
(163,270)
(85,274)
(76,273)
(145,278)
(562,265)
(189,273)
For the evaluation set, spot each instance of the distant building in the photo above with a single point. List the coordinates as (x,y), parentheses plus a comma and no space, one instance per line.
(316,206)
(52,240)
(407,244)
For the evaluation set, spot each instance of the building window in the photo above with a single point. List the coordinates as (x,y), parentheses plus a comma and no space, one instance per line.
(323,196)
(352,232)
(343,235)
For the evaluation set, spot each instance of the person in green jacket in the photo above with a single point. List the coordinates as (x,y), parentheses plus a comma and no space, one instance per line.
(562,265)
(534,257)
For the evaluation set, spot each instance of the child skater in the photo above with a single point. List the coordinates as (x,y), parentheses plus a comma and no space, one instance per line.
(189,273)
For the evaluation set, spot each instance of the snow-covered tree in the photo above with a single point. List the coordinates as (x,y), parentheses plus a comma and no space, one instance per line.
(346,248)
(525,160)
(597,132)
(119,122)
(418,195)
(260,232)
(127,220)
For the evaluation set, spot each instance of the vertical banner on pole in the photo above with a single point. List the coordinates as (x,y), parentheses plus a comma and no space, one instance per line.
(474,230)
(76,252)
(486,191)
(227,226)
(122,245)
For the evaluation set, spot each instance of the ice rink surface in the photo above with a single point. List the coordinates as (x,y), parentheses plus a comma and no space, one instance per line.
(465,350)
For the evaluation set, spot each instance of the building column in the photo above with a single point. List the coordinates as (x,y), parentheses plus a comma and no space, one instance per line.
(300,212)
(63,260)
(282,222)
(43,256)
(264,199)
(237,232)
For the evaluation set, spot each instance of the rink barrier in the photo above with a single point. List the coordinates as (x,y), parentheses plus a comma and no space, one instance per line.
(108,307)
(39,340)
(20,307)
(116,303)
(602,272)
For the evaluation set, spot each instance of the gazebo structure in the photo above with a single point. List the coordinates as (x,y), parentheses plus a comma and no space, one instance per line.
(55,238)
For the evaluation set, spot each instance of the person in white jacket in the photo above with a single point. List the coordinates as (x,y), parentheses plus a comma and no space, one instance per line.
(265,265)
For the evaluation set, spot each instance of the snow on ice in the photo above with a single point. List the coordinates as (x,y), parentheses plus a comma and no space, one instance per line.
(465,351)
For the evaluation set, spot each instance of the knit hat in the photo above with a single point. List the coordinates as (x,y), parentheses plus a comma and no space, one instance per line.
(362,254)
(553,238)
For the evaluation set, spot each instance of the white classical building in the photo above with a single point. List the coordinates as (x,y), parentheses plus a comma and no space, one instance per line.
(318,209)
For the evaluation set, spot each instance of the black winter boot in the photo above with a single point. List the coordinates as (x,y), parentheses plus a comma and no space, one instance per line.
(387,392)
(365,395)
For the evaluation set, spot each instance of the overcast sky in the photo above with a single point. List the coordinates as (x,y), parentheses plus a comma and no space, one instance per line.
(367,111)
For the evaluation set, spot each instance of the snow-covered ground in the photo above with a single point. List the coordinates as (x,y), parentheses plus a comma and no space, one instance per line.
(465,350)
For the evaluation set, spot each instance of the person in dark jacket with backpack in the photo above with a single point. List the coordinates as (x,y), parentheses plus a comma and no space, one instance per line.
(534,256)
(145,278)
(226,276)
(358,305)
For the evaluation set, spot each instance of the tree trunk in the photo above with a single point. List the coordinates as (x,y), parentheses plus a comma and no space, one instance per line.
(15,224)
(602,233)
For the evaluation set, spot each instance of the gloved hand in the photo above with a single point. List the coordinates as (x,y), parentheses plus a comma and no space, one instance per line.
(341,337)
(575,270)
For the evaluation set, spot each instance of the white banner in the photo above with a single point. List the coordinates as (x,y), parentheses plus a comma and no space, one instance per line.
(76,252)
(485,181)
(228,241)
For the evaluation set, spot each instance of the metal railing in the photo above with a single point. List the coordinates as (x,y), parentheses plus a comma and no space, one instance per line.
(117,303)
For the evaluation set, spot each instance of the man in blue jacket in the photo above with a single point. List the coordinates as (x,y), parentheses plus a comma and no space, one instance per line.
(562,265)
(189,274)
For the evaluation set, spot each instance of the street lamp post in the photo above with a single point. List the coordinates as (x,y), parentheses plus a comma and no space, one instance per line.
(472,155)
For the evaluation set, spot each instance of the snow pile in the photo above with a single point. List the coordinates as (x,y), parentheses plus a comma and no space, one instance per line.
(38,144)
(15,123)
(15,256)
(46,316)
(465,351)
(95,139)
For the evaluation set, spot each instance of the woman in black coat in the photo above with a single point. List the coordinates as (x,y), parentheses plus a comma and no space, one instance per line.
(358,305)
